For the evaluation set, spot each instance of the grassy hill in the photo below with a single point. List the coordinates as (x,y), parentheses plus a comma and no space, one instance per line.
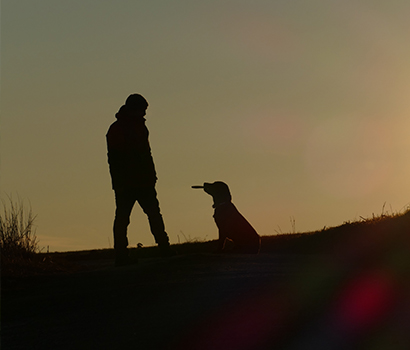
(345,287)
(365,232)
(367,235)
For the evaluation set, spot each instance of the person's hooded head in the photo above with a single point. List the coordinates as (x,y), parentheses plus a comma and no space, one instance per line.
(136,102)
(135,107)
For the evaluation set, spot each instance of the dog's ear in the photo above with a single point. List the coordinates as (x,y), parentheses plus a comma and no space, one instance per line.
(222,188)
(219,191)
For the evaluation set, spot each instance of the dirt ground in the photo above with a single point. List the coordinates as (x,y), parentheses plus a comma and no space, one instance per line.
(343,288)
(156,304)
(204,301)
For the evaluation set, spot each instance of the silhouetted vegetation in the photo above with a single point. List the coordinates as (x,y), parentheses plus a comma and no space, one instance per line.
(19,247)
(18,242)
(20,255)
(325,240)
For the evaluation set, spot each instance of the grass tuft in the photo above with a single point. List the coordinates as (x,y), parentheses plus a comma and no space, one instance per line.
(18,241)
(20,254)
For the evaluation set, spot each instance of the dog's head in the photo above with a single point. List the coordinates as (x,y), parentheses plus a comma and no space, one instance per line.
(219,191)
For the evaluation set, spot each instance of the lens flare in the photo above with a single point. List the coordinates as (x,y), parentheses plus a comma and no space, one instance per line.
(363,303)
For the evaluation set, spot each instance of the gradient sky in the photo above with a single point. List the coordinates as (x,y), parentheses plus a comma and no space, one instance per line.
(302,107)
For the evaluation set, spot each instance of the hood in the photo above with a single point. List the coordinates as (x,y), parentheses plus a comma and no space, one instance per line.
(124,114)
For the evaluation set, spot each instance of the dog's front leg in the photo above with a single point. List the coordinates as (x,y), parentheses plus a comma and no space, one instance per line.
(221,243)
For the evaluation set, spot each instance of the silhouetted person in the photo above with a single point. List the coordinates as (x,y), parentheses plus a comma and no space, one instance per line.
(133,176)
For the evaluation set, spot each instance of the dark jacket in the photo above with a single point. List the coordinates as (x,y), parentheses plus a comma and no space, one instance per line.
(129,153)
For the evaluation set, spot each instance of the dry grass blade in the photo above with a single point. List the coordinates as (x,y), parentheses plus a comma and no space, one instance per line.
(18,241)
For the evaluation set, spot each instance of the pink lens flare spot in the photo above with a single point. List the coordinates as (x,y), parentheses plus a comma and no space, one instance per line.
(364,302)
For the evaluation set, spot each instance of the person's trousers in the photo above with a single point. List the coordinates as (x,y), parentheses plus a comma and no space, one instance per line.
(147,199)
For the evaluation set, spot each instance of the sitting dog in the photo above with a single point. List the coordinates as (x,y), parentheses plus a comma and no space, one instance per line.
(231,224)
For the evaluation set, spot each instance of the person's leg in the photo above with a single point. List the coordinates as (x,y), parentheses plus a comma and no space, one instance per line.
(124,201)
(147,199)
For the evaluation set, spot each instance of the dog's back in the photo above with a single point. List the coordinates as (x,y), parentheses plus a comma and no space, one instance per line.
(233,225)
